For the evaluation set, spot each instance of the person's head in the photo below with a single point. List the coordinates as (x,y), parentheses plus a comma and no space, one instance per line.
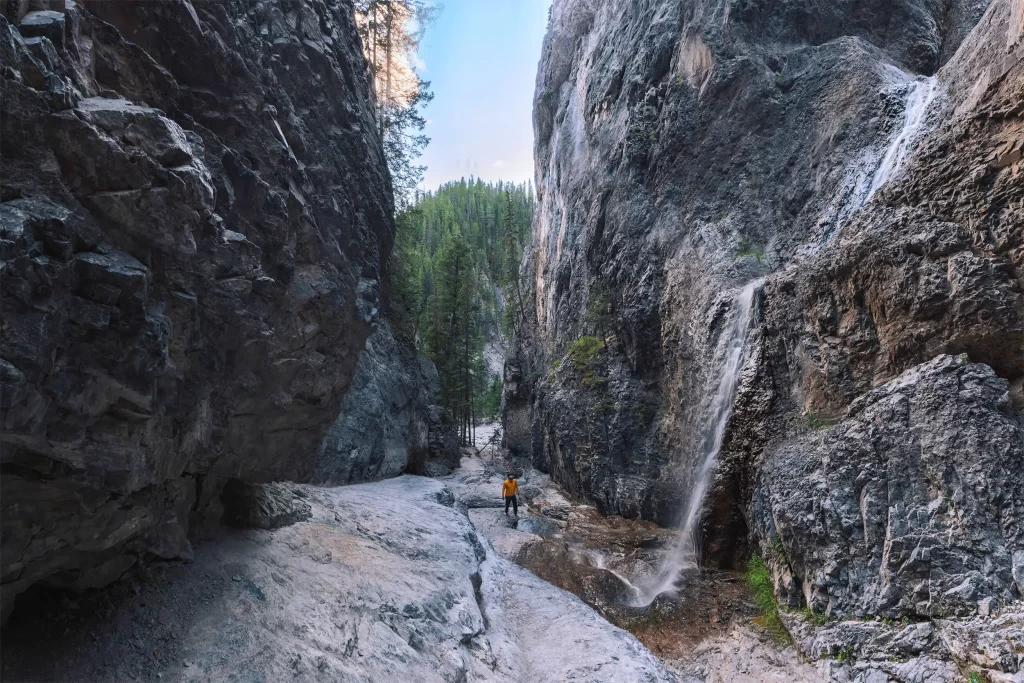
(510,476)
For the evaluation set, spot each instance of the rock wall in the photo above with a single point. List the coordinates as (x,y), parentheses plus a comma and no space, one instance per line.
(196,213)
(867,164)
(390,421)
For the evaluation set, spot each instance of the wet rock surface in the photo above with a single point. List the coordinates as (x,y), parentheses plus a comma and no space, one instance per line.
(704,632)
(710,629)
(195,216)
(669,176)
(683,152)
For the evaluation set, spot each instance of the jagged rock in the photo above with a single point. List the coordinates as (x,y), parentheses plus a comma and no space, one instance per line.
(195,214)
(913,505)
(680,153)
(389,421)
(263,506)
(906,651)
(871,176)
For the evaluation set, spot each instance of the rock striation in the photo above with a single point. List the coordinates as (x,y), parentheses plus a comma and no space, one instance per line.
(868,165)
(196,215)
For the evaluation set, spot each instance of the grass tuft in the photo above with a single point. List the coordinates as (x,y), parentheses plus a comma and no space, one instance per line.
(814,617)
(746,249)
(815,423)
(760,581)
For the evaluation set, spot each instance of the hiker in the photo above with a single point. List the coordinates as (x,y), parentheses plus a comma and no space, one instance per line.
(509,489)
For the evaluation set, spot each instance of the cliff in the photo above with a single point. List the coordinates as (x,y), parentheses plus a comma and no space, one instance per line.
(856,170)
(196,217)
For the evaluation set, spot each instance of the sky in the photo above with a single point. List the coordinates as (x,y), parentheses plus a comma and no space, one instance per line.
(481,59)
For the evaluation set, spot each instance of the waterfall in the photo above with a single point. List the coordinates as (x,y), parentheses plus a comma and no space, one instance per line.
(921,94)
(684,552)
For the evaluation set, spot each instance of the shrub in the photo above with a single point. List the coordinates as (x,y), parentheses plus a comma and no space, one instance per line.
(815,423)
(583,350)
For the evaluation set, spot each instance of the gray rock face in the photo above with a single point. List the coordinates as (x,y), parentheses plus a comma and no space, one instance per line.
(913,505)
(195,215)
(389,422)
(684,151)
(861,651)
(263,506)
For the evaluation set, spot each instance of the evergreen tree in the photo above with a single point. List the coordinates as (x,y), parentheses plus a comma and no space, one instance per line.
(391,31)
(453,250)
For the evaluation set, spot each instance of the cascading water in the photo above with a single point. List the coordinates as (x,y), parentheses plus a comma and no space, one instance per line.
(683,554)
(921,94)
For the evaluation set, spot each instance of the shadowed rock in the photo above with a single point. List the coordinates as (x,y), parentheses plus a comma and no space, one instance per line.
(195,215)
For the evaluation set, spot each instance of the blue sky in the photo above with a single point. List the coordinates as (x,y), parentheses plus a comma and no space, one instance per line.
(481,59)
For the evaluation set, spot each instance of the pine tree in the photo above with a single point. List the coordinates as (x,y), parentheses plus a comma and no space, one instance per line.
(458,244)
(391,31)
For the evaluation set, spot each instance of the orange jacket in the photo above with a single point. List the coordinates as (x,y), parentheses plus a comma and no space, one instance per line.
(509,487)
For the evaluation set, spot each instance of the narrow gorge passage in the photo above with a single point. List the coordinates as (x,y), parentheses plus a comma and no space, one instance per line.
(291,291)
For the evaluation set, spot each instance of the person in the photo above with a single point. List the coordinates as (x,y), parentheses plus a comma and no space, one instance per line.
(509,489)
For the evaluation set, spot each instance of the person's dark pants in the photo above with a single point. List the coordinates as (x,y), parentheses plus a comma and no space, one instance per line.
(511,500)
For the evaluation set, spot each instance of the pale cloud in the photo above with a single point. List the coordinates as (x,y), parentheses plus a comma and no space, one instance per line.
(499,164)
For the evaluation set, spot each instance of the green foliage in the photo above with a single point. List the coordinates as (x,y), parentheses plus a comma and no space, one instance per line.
(652,618)
(452,248)
(643,414)
(599,309)
(390,33)
(816,423)
(745,249)
(583,350)
(975,677)
(845,655)
(814,617)
(760,581)
(779,551)
(490,400)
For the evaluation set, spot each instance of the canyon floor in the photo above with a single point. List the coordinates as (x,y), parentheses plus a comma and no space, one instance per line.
(386,581)
(418,578)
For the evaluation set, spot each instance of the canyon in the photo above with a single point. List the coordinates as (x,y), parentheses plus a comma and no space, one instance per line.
(774,313)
